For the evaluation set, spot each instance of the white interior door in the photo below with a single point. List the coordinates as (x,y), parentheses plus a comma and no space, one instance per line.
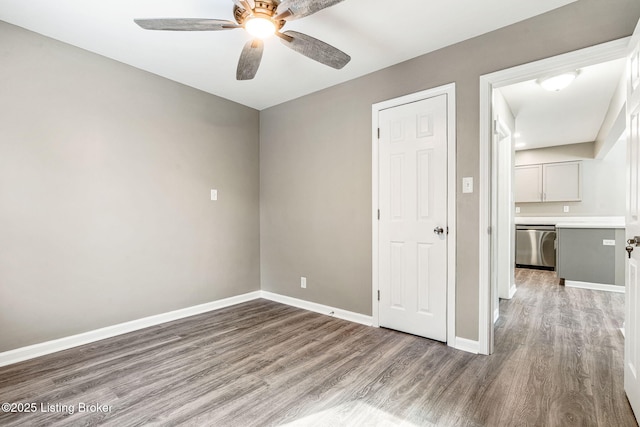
(413,218)
(632,298)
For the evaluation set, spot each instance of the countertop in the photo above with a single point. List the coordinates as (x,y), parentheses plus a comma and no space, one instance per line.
(574,222)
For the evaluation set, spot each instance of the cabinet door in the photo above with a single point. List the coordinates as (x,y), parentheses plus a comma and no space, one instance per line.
(562,182)
(528,183)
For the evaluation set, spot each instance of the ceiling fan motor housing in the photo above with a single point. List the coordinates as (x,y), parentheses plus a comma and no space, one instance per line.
(264,9)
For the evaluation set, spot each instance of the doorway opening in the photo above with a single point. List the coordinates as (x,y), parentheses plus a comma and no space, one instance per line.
(498,157)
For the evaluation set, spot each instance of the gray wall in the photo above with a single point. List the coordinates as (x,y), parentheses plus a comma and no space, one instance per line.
(315,178)
(603,180)
(105,178)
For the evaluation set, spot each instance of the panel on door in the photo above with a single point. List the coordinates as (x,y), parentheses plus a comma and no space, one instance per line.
(413,214)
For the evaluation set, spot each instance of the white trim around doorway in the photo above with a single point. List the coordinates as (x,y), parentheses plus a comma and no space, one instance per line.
(569,61)
(450,91)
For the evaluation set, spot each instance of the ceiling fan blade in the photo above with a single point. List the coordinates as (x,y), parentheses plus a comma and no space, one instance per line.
(186,24)
(314,49)
(247,5)
(294,9)
(250,59)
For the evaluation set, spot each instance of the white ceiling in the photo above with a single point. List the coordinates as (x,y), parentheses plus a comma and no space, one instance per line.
(572,115)
(376,33)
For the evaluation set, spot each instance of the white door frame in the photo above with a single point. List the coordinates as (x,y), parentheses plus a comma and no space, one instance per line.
(450,91)
(569,61)
(503,237)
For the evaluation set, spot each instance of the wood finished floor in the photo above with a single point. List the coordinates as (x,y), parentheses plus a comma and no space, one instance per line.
(558,362)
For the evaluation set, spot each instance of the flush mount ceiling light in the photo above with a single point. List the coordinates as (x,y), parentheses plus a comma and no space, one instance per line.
(261,19)
(557,82)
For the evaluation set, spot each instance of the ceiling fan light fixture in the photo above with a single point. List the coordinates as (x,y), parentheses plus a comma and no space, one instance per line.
(260,27)
(558,82)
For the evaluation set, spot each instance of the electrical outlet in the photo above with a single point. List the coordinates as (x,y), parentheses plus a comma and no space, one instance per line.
(608,242)
(214,194)
(566,209)
(303,282)
(517,209)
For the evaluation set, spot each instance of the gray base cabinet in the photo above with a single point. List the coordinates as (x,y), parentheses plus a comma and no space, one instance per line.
(584,257)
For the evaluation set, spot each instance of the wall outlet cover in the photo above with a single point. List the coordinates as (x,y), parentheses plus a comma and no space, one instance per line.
(607,242)
(517,209)
(303,282)
(214,194)
(566,209)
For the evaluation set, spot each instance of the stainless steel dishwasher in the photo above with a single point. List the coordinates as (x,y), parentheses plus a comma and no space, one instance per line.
(536,246)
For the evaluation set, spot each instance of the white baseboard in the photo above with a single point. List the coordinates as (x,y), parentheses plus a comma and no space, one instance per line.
(496,314)
(510,293)
(594,286)
(319,308)
(48,347)
(467,345)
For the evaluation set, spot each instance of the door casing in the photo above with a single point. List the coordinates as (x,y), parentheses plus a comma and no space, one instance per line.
(448,90)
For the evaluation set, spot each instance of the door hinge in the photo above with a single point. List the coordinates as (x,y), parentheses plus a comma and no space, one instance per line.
(378,295)
(378,133)
(378,214)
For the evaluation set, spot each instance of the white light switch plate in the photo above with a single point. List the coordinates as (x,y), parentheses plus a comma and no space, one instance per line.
(214,194)
(607,242)
(467,184)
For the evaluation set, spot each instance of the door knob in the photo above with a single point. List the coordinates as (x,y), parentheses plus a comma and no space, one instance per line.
(438,230)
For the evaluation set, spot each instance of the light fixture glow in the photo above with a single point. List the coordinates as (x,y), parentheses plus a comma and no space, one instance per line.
(260,27)
(559,82)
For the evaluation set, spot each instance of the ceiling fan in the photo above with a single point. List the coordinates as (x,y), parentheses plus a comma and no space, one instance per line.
(262,19)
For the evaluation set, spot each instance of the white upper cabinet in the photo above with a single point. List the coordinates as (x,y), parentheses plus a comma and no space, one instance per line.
(528,183)
(561,182)
(551,182)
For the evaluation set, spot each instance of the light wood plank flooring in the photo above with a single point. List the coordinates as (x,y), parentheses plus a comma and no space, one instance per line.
(558,362)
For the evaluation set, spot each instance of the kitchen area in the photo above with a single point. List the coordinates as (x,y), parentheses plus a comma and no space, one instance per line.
(570,214)
(568,166)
